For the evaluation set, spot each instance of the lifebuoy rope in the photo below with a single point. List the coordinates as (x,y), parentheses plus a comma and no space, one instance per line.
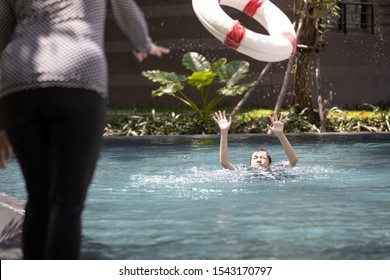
(235,35)
(292,40)
(252,6)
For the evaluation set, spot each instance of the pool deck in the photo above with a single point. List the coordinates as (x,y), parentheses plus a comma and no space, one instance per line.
(11,220)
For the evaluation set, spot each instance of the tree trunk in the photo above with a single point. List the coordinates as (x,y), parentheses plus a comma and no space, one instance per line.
(303,81)
(303,78)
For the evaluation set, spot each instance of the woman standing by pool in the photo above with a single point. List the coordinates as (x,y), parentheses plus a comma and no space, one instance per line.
(53,83)
(260,158)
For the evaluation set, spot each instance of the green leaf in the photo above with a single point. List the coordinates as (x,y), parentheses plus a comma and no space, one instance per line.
(170,89)
(236,90)
(201,79)
(163,77)
(233,71)
(216,66)
(195,62)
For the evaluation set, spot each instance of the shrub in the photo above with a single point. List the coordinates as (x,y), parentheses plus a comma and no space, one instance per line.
(250,121)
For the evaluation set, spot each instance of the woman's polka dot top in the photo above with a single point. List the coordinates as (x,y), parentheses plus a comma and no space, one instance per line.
(60,43)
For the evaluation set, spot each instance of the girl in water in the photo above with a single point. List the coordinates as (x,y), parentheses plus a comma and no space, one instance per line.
(260,159)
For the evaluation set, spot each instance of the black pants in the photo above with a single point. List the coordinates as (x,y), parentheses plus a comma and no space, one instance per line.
(56,136)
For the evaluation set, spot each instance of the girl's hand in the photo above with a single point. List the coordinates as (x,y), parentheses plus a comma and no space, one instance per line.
(221,120)
(277,126)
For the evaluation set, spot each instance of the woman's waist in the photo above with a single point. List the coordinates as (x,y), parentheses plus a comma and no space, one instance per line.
(52,60)
(46,50)
(71,29)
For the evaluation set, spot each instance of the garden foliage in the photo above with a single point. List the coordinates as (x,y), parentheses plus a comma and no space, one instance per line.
(373,119)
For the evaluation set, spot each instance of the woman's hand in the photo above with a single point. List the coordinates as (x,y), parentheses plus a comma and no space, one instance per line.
(5,149)
(222,122)
(158,50)
(154,50)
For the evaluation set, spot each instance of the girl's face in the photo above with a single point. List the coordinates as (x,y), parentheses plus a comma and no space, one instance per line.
(259,159)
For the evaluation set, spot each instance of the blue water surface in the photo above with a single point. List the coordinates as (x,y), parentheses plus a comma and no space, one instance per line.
(169,198)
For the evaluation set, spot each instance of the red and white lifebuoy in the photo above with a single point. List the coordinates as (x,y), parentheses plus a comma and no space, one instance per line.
(279,45)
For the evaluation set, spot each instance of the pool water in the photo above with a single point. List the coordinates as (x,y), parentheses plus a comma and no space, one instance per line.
(169,198)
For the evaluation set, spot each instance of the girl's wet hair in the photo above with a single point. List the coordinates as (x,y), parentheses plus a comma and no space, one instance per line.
(261,150)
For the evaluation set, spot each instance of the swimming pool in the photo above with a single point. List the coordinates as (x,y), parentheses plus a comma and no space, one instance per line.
(169,198)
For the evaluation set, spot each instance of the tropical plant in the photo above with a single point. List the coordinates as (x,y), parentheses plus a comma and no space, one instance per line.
(205,75)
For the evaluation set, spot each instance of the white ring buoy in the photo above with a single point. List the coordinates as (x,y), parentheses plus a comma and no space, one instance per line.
(277,46)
